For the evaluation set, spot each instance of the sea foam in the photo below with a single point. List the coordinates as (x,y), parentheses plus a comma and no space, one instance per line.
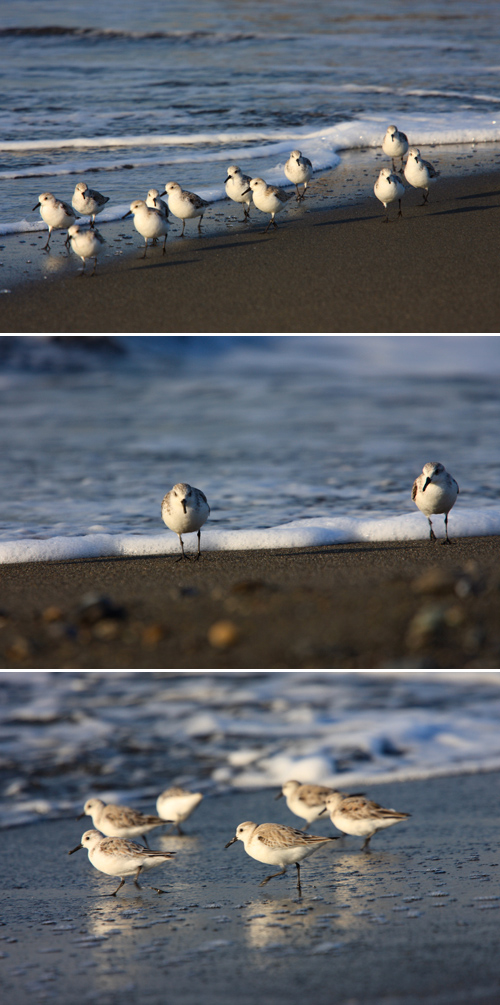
(296,534)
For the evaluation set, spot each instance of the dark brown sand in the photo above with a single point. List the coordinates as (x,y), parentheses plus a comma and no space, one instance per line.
(415,922)
(384,605)
(340,270)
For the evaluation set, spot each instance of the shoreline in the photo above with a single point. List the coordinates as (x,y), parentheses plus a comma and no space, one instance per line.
(412,922)
(323,270)
(389,605)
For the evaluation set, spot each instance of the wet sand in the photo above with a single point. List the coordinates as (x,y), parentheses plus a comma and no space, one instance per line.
(413,922)
(323,270)
(414,605)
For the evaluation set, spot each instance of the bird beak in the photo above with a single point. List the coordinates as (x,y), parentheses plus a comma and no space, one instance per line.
(320,814)
(231,842)
(246,190)
(225,183)
(81,815)
(123,218)
(35,207)
(278,796)
(162,194)
(427,482)
(75,849)
(184,505)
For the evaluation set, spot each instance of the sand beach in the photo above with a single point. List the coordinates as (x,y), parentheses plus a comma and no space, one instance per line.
(413,605)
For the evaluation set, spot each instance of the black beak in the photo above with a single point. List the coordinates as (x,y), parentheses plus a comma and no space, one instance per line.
(35,207)
(278,796)
(184,505)
(320,814)
(231,842)
(123,218)
(162,194)
(246,190)
(427,482)
(75,849)
(81,815)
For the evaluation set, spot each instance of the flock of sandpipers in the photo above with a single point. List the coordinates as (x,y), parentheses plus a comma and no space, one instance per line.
(151,215)
(112,851)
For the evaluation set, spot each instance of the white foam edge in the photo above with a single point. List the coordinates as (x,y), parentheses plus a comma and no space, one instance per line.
(297,534)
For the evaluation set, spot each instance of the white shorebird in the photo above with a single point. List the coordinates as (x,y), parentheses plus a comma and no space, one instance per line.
(120,821)
(359,816)
(269,199)
(306,801)
(395,145)
(177,804)
(276,844)
(150,223)
(299,170)
(85,244)
(87,202)
(237,188)
(184,205)
(435,491)
(118,857)
(185,509)
(56,214)
(419,173)
(388,188)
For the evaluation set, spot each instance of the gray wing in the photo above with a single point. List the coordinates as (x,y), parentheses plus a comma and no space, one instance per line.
(100,199)
(68,209)
(431,169)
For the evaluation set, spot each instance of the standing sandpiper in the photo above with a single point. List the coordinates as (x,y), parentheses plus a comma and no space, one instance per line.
(435,491)
(185,509)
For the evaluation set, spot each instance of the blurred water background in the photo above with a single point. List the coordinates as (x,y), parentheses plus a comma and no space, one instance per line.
(127,736)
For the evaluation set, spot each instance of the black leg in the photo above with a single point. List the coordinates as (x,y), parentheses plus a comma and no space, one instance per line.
(183,552)
(266,880)
(366,842)
(432,536)
(136,880)
(299,888)
(144,838)
(118,888)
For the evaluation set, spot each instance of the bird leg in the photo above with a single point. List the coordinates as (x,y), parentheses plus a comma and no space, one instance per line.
(446,540)
(95,267)
(182,547)
(432,536)
(117,887)
(199,225)
(199,547)
(366,842)
(136,879)
(280,873)
(426,196)
(145,248)
(164,252)
(299,888)
(144,838)
(400,212)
